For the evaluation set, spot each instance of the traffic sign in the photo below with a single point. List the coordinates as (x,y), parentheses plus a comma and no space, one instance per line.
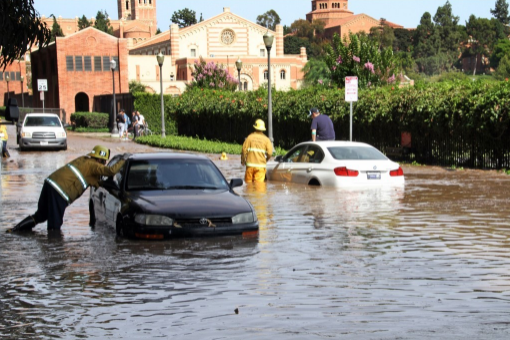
(42,84)
(351,89)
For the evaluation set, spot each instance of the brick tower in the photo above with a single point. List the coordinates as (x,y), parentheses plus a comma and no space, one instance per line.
(329,10)
(143,10)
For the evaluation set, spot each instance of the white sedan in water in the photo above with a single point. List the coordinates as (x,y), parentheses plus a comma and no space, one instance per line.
(335,163)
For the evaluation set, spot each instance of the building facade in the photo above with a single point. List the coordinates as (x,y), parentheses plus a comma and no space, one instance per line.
(338,19)
(77,68)
(222,39)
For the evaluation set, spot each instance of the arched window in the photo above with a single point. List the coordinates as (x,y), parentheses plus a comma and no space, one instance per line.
(282,74)
(266,75)
(245,86)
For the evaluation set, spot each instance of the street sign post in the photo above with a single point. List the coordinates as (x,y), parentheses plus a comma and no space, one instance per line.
(351,95)
(42,86)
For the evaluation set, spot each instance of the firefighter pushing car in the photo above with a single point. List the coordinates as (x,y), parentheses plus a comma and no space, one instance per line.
(67,184)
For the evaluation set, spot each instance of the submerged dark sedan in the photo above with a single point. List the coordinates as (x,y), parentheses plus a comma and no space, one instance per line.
(164,195)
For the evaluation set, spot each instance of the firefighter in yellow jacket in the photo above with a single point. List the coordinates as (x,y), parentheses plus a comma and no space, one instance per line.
(257,150)
(67,184)
(3,141)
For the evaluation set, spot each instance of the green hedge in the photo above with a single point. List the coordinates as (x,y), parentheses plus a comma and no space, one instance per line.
(149,106)
(470,118)
(93,120)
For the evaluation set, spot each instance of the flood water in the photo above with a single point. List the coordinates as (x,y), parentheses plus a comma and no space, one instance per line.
(426,261)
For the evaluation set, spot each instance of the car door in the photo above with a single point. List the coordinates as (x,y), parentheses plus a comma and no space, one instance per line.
(112,192)
(307,164)
(284,171)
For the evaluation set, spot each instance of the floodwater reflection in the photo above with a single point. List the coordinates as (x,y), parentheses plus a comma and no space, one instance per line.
(425,260)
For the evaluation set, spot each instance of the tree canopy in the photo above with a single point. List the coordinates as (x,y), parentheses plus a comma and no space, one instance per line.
(83,22)
(103,22)
(21,28)
(500,12)
(211,75)
(269,19)
(184,17)
(358,55)
(56,30)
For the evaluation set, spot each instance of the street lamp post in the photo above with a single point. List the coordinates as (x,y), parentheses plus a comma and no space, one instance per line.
(113,66)
(268,41)
(7,80)
(239,65)
(22,97)
(161,57)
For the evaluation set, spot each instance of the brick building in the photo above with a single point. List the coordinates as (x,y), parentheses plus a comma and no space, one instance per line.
(137,21)
(338,19)
(77,68)
(14,72)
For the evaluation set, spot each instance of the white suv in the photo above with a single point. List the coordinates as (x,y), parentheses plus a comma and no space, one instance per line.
(42,131)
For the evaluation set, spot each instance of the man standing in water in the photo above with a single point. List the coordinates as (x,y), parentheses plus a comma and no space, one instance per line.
(322,126)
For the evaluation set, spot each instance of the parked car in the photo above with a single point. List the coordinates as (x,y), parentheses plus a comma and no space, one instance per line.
(42,131)
(335,163)
(166,195)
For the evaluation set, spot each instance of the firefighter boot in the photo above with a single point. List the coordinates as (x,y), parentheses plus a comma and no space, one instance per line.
(26,225)
(6,154)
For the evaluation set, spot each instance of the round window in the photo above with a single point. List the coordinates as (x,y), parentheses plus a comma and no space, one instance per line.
(228,36)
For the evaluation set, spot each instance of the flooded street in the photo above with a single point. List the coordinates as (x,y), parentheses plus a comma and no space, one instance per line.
(426,261)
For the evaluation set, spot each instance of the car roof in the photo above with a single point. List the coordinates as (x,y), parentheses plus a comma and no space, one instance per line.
(166,155)
(42,115)
(333,143)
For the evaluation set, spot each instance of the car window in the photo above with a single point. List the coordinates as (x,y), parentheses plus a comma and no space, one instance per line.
(174,174)
(42,121)
(294,155)
(313,154)
(118,176)
(356,153)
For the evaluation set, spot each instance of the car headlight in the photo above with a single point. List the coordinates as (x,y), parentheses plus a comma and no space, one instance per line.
(243,218)
(26,134)
(153,220)
(61,134)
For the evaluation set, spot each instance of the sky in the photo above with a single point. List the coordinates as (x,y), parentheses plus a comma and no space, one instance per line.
(403,12)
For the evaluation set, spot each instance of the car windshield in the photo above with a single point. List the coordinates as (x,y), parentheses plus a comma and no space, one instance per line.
(42,121)
(356,153)
(173,174)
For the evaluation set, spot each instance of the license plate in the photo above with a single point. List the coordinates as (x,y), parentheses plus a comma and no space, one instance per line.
(44,143)
(373,175)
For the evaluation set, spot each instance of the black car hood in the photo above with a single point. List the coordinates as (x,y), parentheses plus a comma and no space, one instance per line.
(189,203)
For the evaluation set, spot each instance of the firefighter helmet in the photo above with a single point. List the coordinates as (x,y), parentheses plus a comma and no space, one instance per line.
(260,125)
(100,152)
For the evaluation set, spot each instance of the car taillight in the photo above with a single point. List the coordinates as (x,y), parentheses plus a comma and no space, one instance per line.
(343,171)
(398,172)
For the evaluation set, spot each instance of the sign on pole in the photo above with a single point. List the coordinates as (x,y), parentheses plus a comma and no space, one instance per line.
(42,84)
(351,89)
(351,95)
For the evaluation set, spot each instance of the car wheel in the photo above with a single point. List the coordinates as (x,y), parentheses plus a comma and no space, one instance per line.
(65,147)
(22,148)
(92,212)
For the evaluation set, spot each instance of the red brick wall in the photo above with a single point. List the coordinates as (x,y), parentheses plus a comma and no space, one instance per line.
(65,85)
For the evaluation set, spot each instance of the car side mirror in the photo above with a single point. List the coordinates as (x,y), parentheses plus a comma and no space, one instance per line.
(278,159)
(236,182)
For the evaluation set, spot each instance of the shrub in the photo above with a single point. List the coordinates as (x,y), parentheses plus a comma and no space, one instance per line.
(211,75)
(95,120)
